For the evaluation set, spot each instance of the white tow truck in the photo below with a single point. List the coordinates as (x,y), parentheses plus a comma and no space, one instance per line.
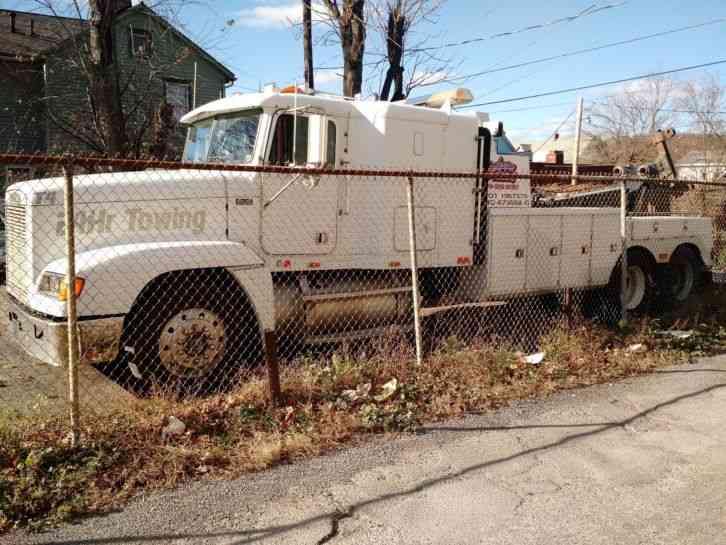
(187,273)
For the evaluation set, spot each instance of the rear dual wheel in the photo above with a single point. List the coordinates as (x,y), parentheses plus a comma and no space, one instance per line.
(604,304)
(679,279)
(640,283)
(673,283)
(639,287)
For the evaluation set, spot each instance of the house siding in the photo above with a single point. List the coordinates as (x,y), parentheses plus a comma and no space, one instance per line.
(21,110)
(61,115)
(68,111)
(171,59)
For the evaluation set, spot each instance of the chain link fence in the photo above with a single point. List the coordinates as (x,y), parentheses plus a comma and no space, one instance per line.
(180,280)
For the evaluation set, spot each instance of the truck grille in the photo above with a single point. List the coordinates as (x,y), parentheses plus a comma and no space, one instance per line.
(17,264)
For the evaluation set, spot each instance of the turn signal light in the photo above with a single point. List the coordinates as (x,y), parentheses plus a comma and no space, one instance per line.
(78,289)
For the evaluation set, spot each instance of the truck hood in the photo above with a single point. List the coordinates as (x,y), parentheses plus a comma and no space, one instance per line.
(122,208)
(124,187)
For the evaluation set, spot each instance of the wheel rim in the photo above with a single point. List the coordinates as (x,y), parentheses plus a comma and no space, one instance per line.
(685,279)
(635,287)
(192,343)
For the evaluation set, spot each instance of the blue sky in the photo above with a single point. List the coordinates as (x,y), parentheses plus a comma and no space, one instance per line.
(261,47)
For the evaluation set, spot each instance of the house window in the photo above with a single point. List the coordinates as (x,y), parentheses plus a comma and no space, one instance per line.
(178,96)
(140,43)
(282,141)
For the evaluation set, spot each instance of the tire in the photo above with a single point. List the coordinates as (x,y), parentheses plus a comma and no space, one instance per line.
(681,277)
(605,303)
(191,334)
(640,292)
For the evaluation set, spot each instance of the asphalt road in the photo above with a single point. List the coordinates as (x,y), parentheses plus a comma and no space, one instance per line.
(639,462)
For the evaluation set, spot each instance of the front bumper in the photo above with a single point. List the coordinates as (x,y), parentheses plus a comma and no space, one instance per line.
(47,340)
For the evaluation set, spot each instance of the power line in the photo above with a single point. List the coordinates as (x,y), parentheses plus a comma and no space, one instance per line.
(245,88)
(557,130)
(594,85)
(669,110)
(705,112)
(593,9)
(672,111)
(529,108)
(587,50)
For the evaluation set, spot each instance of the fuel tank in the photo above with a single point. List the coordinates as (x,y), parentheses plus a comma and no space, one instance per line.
(325,304)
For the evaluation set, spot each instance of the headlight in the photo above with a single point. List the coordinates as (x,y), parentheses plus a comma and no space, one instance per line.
(57,285)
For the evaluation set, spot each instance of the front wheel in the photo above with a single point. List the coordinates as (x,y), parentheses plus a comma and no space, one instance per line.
(192,334)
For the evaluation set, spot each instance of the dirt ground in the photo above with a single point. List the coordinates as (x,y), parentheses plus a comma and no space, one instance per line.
(29,386)
(635,462)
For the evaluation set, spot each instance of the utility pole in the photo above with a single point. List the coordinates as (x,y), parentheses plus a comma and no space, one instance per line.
(308,44)
(578,133)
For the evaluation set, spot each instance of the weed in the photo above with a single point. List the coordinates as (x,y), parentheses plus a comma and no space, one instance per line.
(327,402)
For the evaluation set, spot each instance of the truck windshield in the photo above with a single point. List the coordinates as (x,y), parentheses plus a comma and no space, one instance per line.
(226,139)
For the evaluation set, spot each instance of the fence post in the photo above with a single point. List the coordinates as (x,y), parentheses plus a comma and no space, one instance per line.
(273,367)
(624,253)
(71,303)
(414,272)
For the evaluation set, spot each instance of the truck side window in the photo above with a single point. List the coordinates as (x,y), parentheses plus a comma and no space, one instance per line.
(282,141)
(332,142)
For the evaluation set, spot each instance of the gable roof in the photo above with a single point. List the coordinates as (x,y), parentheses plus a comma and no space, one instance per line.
(37,34)
(183,37)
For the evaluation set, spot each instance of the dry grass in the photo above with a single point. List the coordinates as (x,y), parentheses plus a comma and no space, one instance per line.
(327,403)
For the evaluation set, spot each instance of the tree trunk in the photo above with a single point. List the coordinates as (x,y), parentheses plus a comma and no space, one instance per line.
(103,78)
(352,30)
(353,38)
(352,75)
(394,37)
(308,44)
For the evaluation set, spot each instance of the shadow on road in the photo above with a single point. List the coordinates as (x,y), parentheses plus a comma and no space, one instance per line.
(261,535)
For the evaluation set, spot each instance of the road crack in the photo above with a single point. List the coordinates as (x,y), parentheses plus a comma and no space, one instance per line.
(335,525)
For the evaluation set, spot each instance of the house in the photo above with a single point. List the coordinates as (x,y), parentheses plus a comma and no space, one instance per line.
(698,166)
(45,104)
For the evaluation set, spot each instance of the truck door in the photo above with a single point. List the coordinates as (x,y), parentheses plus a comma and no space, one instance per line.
(299,215)
(544,248)
(507,254)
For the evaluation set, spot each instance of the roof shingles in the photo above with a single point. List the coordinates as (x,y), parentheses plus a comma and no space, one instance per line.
(35,34)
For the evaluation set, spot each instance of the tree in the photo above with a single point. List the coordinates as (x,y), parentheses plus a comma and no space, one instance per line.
(103,77)
(621,126)
(396,28)
(394,21)
(349,22)
(400,67)
(121,112)
(307,21)
(704,103)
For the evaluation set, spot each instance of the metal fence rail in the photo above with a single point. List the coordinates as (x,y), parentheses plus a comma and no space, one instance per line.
(152,278)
